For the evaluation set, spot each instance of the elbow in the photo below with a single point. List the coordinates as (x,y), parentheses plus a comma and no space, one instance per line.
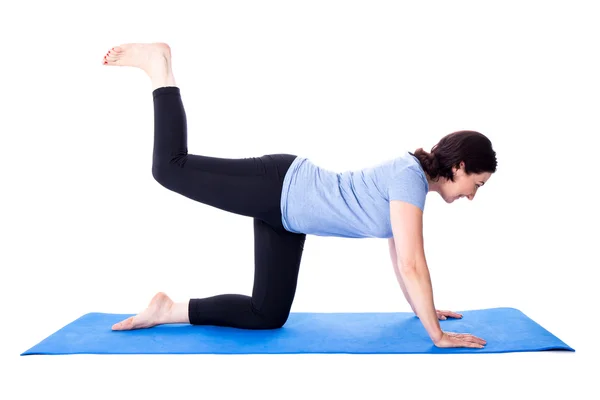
(407,267)
(410,267)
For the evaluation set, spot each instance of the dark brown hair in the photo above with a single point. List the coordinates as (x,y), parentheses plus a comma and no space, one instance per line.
(472,147)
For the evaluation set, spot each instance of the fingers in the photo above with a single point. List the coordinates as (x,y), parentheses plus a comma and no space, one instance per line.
(473,339)
(472,345)
(463,342)
(466,336)
(468,339)
(450,314)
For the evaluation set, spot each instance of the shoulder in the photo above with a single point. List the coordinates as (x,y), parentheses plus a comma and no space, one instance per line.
(407,182)
(407,166)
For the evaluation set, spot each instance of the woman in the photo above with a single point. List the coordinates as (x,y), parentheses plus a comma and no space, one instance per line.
(289,197)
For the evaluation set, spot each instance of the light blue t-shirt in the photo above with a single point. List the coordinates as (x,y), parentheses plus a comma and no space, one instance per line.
(351,204)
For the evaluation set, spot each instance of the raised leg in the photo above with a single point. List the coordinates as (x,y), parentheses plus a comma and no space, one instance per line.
(247,186)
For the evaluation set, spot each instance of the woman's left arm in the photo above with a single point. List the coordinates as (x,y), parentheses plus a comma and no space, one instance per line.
(442,314)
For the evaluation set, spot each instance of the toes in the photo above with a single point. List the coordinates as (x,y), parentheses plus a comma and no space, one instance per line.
(115,51)
(123,325)
(111,59)
(112,55)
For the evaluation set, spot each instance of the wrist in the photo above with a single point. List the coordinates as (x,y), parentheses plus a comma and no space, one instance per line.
(436,336)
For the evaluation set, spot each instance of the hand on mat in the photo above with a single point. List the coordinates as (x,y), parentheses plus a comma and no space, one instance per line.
(452,339)
(444,314)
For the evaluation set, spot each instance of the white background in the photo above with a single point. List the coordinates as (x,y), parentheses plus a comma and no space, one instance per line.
(347,83)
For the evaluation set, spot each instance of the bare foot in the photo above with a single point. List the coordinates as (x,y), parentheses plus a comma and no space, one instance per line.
(158,312)
(152,58)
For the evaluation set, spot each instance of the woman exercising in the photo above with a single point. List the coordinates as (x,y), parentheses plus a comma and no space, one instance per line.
(289,197)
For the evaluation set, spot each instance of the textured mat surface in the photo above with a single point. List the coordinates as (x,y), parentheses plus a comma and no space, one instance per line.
(504,329)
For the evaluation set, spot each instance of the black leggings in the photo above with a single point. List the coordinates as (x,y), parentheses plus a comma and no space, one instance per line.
(245,186)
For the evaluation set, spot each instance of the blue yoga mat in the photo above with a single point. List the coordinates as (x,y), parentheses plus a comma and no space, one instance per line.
(504,329)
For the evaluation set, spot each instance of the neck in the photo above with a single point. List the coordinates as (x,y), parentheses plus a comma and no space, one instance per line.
(434,185)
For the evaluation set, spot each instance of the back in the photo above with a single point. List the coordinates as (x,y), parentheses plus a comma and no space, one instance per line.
(352,204)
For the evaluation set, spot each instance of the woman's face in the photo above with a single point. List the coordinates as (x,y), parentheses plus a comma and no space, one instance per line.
(464,185)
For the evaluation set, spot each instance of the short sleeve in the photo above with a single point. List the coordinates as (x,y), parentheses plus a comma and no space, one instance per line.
(408,185)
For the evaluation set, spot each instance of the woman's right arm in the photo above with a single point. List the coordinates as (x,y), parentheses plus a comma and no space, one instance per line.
(394,259)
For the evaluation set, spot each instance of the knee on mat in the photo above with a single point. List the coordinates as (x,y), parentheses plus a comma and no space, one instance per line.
(273,320)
